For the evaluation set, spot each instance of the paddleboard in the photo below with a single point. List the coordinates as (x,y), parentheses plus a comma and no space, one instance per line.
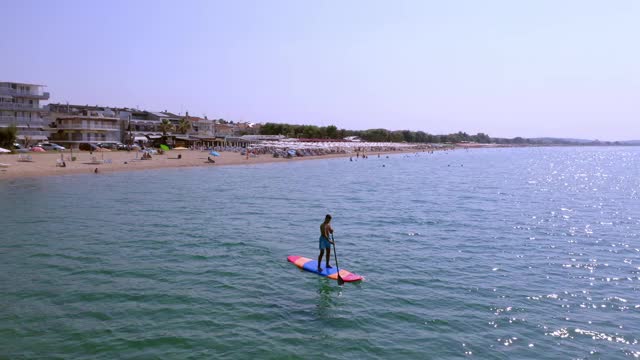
(312,266)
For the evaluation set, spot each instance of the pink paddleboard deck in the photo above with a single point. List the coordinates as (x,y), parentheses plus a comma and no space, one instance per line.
(312,266)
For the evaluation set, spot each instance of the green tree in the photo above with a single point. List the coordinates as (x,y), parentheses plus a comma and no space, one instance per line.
(421,137)
(396,136)
(183,126)
(165,127)
(8,137)
(482,138)
(408,136)
(269,129)
(332,132)
(311,132)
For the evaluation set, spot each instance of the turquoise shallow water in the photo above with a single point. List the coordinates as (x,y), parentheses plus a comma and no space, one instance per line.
(488,254)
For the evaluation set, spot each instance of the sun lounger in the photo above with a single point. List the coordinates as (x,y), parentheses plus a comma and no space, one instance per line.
(95,161)
(24,158)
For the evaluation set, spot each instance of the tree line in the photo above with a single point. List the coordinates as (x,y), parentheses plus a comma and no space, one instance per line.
(384,135)
(373,135)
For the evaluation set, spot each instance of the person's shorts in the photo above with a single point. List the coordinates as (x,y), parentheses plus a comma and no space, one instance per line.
(324,243)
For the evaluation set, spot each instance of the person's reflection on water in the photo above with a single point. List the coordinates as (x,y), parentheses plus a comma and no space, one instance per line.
(326,294)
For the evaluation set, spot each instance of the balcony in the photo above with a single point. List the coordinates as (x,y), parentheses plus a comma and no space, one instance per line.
(21,107)
(21,122)
(87,127)
(35,135)
(143,122)
(24,94)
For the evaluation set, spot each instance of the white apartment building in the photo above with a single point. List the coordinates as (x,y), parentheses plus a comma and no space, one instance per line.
(20,106)
(74,125)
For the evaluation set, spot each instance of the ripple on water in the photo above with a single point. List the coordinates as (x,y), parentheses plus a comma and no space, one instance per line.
(520,253)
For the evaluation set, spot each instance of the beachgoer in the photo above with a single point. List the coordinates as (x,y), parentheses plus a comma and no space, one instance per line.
(95,171)
(325,243)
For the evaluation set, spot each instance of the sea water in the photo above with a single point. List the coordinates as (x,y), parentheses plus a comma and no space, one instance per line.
(527,253)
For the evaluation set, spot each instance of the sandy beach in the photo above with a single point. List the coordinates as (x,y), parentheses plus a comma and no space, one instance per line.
(45,164)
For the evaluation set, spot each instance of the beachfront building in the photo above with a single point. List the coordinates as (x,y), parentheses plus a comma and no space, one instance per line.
(182,127)
(73,125)
(146,128)
(171,117)
(202,127)
(202,131)
(20,106)
(141,126)
(247,128)
(222,129)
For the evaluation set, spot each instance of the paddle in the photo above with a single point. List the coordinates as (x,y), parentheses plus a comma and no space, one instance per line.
(335,256)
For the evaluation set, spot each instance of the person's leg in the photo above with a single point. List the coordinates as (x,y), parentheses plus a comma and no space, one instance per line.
(320,260)
(328,257)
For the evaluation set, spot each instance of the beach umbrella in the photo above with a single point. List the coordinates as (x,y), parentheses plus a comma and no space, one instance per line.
(180,148)
(38,149)
(3,150)
(214,153)
(164,147)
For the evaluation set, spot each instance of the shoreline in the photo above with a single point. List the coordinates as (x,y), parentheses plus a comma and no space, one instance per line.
(44,164)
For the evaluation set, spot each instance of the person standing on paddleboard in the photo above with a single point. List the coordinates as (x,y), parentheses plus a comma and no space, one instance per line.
(325,243)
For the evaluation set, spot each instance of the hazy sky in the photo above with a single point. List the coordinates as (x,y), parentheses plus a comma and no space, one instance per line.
(507,68)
